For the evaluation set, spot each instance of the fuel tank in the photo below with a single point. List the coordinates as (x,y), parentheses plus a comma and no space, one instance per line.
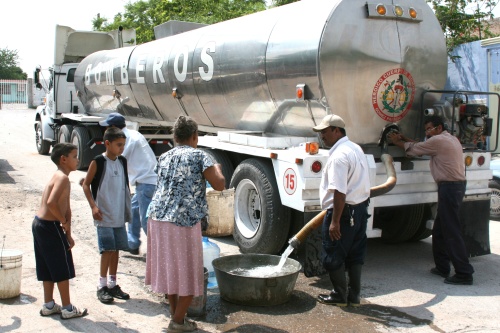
(367,62)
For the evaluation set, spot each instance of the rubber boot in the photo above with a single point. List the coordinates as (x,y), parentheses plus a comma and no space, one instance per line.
(354,285)
(338,296)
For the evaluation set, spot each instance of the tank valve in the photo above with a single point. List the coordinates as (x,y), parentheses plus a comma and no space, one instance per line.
(383,141)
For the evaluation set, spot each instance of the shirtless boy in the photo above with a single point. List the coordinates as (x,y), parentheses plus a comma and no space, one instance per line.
(52,235)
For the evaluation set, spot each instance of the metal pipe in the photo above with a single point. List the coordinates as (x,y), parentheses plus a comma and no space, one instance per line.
(375,191)
(391,177)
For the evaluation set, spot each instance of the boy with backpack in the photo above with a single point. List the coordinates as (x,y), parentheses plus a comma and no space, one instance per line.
(107,191)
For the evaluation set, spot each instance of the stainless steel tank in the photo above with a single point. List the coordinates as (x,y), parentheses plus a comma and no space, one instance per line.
(243,74)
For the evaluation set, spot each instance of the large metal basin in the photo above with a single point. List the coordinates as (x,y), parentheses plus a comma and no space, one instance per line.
(257,291)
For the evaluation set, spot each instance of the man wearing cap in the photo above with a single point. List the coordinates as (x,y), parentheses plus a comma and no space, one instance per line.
(141,163)
(448,170)
(344,193)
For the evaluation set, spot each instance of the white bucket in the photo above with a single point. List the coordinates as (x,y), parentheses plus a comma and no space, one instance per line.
(220,213)
(11,262)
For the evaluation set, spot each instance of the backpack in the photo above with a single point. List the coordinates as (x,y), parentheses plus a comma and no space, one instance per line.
(101,163)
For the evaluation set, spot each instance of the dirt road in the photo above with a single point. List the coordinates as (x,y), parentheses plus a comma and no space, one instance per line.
(399,295)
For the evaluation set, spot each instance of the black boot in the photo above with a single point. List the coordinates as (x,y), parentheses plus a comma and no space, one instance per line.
(338,296)
(354,285)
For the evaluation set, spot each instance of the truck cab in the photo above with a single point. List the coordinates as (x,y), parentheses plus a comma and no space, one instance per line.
(63,117)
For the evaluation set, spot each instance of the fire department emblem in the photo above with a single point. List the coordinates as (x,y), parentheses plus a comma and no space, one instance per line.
(393,94)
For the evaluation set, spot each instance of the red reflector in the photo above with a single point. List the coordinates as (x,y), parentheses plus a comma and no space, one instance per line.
(316,166)
(480,160)
(300,93)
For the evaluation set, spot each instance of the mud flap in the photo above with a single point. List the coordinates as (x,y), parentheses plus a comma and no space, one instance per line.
(475,223)
(310,251)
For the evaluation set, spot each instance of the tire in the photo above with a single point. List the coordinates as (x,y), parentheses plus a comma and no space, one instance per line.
(262,223)
(494,185)
(423,232)
(399,224)
(42,146)
(65,134)
(80,137)
(221,157)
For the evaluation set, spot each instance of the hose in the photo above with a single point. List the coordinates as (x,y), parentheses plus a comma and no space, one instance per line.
(375,191)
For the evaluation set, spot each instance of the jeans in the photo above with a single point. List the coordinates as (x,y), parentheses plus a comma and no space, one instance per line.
(140,202)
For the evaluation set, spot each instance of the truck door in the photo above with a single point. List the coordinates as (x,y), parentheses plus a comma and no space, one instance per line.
(64,91)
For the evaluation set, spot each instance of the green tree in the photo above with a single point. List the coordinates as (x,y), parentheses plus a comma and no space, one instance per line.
(464,21)
(144,15)
(277,3)
(9,69)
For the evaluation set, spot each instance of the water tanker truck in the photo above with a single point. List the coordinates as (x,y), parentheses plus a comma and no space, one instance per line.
(256,85)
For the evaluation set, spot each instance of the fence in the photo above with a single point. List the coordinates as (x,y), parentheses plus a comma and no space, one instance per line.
(13,91)
(21,92)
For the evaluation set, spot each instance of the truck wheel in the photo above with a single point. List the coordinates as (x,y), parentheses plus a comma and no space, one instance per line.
(495,199)
(423,232)
(398,224)
(262,223)
(65,134)
(42,146)
(220,157)
(80,137)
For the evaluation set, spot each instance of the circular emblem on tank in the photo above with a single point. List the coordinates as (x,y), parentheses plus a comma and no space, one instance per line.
(393,94)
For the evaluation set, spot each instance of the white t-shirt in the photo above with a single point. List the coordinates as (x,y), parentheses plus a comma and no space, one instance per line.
(141,160)
(347,172)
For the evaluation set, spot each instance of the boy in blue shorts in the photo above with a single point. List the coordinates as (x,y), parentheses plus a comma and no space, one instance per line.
(52,235)
(107,191)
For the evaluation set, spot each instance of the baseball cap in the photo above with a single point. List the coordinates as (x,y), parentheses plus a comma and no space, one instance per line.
(114,119)
(329,120)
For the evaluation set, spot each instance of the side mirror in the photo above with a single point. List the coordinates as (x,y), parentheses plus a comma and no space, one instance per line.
(36,77)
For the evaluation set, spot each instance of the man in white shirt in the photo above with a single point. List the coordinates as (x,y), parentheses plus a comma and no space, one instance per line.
(141,162)
(344,193)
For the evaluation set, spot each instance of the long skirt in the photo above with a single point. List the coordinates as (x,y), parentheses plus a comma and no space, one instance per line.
(174,261)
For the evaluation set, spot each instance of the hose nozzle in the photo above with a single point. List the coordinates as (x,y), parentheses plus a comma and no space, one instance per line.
(294,242)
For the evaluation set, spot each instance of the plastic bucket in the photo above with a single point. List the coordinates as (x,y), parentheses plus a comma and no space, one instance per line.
(198,306)
(11,262)
(220,213)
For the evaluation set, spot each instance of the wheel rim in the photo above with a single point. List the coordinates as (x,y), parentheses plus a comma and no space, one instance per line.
(39,137)
(495,202)
(76,142)
(247,208)
(62,138)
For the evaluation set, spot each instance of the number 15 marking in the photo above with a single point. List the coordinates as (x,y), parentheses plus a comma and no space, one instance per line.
(290,181)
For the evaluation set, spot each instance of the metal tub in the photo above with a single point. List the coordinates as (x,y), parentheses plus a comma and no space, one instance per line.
(257,291)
